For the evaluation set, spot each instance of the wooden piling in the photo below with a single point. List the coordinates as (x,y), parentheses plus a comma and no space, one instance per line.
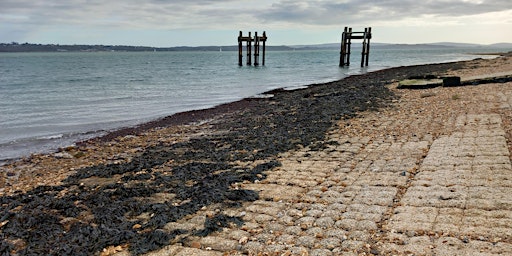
(264,40)
(346,42)
(343,47)
(249,41)
(240,49)
(349,43)
(257,42)
(256,48)
(363,51)
(368,35)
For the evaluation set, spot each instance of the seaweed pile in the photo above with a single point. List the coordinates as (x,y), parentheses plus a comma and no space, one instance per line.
(80,218)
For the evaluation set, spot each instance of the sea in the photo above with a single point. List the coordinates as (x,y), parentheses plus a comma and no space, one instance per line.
(52,100)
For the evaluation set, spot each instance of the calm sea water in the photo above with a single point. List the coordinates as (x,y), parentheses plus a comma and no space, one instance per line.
(51,100)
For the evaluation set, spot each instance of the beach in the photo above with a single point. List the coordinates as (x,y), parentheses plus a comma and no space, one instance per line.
(351,167)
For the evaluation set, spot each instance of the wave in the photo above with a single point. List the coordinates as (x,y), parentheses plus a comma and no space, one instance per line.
(43,144)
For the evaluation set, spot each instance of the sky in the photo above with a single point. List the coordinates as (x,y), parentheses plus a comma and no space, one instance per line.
(166,23)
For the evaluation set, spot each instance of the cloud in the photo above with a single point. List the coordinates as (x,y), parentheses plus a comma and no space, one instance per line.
(367,11)
(128,13)
(178,14)
(29,19)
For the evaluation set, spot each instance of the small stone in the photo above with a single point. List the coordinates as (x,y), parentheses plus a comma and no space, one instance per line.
(243,240)
(3,223)
(443,197)
(63,155)
(18,244)
(196,245)
(306,241)
(79,154)
(375,252)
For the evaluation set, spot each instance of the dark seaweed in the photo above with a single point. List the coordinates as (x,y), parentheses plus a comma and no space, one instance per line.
(218,222)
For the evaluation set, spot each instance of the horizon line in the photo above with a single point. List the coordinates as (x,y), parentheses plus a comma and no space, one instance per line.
(287,45)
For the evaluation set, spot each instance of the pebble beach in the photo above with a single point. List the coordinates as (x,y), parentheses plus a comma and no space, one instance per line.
(351,167)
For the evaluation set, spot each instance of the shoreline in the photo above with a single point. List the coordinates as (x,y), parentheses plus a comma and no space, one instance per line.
(52,146)
(194,116)
(197,115)
(190,116)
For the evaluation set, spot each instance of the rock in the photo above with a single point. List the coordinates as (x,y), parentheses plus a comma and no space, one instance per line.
(445,197)
(451,81)
(196,245)
(243,240)
(63,155)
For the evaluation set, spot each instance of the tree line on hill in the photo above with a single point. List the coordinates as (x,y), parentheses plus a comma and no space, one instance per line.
(28,47)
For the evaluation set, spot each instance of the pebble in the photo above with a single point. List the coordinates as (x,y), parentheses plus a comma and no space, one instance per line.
(63,155)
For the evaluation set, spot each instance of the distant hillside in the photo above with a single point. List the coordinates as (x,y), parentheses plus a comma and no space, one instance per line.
(27,47)
(393,46)
(450,44)
(373,45)
(501,45)
(221,48)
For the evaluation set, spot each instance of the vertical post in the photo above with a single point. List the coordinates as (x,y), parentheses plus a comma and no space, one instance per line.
(249,40)
(363,51)
(342,48)
(256,48)
(349,44)
(368,45)
(240,49)
(264,40)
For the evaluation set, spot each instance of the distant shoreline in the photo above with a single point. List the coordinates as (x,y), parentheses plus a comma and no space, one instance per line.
(32,47)
(26,47)
(491,53)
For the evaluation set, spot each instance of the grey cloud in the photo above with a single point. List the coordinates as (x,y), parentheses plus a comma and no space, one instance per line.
(334,12)
(154,12)
(210,13)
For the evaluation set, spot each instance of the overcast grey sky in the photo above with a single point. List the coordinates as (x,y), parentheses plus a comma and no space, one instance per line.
(217,22)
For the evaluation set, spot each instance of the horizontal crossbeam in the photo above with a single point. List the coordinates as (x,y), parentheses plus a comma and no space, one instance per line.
(368,36)
(247,39)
